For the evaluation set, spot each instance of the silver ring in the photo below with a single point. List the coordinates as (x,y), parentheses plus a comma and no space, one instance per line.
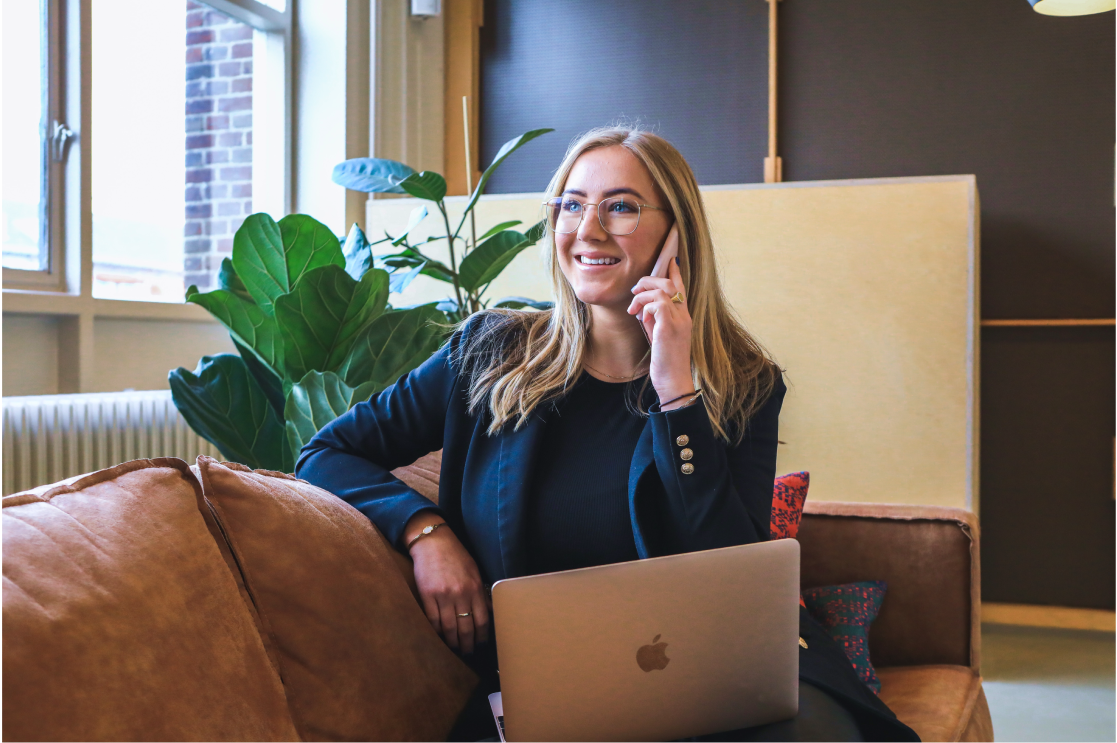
(467,614)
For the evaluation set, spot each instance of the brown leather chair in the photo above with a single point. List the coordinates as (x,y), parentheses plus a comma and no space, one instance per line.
(926,643)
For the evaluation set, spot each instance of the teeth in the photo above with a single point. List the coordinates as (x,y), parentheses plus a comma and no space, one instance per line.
(598,261)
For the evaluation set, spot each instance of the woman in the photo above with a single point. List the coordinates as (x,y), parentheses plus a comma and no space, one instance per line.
(636,418)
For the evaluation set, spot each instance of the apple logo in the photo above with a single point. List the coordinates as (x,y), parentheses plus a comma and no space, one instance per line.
(653,657)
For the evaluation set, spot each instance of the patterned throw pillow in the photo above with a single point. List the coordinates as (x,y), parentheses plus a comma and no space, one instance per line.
(788,497)
(846,611)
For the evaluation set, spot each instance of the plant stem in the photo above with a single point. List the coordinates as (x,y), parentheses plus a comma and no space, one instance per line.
(453,259)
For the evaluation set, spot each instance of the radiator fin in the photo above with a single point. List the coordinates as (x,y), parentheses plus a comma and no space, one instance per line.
(51,437)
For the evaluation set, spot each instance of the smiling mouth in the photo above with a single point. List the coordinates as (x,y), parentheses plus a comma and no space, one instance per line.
(596,261)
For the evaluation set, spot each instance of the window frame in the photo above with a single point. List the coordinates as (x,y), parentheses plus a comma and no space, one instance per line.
(67,183)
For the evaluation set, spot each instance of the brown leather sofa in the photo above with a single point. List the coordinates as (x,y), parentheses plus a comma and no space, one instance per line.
(159,601)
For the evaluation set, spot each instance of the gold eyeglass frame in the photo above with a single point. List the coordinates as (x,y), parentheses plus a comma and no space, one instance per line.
(639,212)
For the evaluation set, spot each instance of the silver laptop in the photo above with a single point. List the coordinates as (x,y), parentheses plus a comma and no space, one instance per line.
(656,649)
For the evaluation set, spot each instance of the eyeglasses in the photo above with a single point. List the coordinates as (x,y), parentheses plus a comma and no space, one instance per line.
(616,216)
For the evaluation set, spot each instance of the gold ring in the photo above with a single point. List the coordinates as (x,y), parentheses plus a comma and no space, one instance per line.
(678,298)
(467,614)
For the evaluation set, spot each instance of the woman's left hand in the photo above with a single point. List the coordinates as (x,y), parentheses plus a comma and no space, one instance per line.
(668,325)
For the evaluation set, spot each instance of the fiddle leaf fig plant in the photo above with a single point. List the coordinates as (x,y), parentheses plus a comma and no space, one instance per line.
(309,316)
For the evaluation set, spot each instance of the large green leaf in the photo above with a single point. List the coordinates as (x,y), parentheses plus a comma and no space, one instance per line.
(322,317)
(246,322)
(315,401)
(505,150)
(228,280)
(485,262)
(427,185)
(270,258)
(499,228)
(357,253)
(268,379)
(223,404)
(371,175)
(394,344)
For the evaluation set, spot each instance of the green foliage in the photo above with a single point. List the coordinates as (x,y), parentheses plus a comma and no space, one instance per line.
(309,314)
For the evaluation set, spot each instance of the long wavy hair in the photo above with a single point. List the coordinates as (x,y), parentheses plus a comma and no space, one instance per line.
(517,360)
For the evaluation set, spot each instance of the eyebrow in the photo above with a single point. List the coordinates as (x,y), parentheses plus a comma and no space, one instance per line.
(608,194)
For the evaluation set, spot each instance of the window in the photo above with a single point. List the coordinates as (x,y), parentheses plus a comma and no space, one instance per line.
(27,120)
(175,131)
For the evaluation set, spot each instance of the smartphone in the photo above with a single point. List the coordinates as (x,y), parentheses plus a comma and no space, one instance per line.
(659,271)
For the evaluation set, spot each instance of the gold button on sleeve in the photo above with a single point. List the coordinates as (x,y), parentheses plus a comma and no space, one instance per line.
(683,440)
(687,468)
(686,455)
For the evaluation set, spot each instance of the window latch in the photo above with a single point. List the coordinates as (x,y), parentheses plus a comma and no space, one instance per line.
(59,137)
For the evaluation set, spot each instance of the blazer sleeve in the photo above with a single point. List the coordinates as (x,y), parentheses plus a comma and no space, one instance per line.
(726,499)
(353,455)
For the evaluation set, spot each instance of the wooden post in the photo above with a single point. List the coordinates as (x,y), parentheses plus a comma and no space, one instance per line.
(462,26)
(773,165)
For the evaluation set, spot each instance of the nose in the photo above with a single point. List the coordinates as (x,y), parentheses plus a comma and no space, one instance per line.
(590,229)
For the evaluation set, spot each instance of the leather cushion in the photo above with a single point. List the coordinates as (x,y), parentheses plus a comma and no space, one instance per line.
(937,702)
(358,658)
(121,619)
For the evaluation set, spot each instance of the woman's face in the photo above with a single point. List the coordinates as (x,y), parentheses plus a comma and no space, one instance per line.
(599,174)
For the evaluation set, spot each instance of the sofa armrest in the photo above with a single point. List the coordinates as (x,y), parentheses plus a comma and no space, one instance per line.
(930,558)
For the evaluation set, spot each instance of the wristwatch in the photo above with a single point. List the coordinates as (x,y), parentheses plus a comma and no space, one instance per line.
(426,532)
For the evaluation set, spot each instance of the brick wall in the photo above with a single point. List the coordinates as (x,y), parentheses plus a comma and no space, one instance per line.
(218,138)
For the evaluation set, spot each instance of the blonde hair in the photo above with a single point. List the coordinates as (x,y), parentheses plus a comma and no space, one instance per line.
(517,360)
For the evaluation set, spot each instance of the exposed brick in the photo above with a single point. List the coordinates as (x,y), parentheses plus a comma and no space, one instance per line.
(198,141)
(192,5)
(218,227)
(239,32)
(217,191)
(238,173)
(195,19)
(199,106)
(199,175)
(228,208)
(192,228)
(230,139)
(217,156)
(229,69)
(247,208)
(243,50)
(195,88)
(242,85)
(238,103)
(193,159)
(242,155)
(225,245)
(201,280)
(193,54)
(199,211)
(196,71)
(202,36)
(201,245)
(214,18)
(195,123)
(193,264)
(242,121)
(234,224)
(216,53)
(248,139)
(217,87)
(194,193)
(241,191)
(248,67)
(220,121)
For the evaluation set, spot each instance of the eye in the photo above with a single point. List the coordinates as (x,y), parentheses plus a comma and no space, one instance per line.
(571,206)
(619,207)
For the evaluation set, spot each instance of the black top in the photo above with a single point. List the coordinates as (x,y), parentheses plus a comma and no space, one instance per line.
(577,510)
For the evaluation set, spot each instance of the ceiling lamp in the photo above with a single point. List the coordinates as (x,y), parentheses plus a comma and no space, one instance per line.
(1072,7)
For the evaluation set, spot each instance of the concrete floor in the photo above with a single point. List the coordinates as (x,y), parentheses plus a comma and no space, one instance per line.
(1049,684)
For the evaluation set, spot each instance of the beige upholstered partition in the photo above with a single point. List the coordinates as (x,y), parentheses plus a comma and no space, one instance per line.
(865,291)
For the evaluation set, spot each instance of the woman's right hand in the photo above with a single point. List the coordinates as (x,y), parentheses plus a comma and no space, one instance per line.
(449,584)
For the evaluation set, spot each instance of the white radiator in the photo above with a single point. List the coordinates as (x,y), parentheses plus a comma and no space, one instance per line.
(52,437)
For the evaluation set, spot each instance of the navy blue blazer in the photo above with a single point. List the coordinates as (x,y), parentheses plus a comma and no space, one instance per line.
(484,482)
(483,487)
